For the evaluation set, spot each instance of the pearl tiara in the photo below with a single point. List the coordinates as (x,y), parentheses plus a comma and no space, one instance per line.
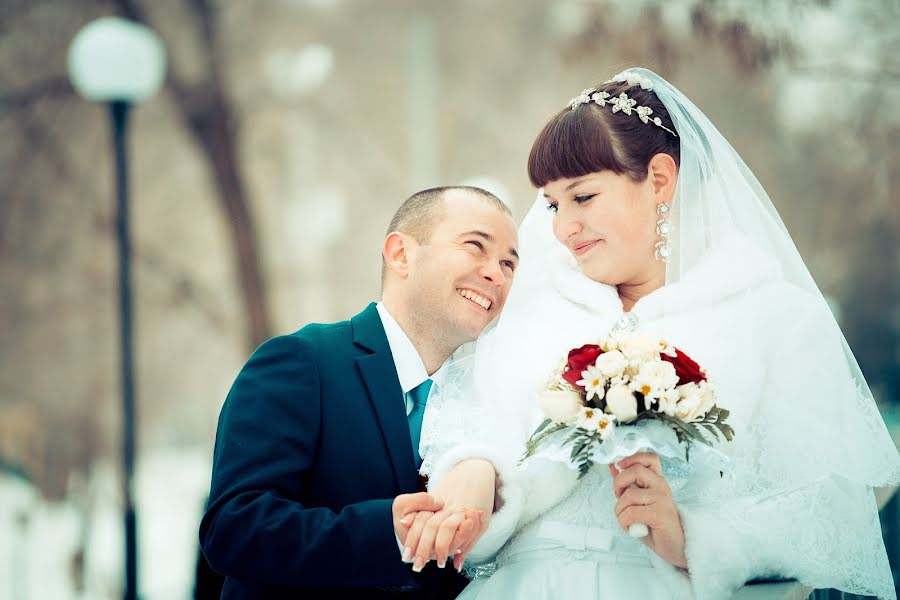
(621,102)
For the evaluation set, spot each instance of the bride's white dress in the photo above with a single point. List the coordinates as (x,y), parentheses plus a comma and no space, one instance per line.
(575,550)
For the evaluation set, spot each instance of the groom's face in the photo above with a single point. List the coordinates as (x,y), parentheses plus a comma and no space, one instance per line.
(460,279)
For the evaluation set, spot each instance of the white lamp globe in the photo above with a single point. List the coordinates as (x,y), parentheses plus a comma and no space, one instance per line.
(114,59)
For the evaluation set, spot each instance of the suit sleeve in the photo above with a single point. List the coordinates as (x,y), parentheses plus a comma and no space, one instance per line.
(256,527)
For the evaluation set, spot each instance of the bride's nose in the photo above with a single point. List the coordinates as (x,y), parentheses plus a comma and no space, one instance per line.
(566,226)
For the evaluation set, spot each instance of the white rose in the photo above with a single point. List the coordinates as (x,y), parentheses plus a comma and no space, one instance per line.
(620,401)
(640,348)
(695,401)
(611,364)
(560,406)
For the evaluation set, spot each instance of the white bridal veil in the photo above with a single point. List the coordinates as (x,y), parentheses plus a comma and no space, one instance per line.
(807,455)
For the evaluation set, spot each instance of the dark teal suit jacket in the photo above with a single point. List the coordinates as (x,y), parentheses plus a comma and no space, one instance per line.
(312,446)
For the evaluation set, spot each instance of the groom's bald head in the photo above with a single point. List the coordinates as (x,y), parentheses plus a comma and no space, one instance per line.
(419,213)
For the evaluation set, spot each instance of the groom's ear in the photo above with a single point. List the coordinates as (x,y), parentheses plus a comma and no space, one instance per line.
(396,253)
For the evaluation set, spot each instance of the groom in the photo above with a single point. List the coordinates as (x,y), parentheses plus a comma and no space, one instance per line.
(317,446)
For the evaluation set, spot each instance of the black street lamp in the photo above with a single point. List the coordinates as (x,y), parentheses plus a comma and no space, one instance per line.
(120,62)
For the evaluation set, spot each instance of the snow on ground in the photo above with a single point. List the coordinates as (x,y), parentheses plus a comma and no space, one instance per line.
(38,539)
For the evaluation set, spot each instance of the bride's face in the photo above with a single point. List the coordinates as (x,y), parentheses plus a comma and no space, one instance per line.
(608,222)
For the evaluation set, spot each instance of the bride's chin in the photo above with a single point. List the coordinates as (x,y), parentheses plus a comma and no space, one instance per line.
(596,274)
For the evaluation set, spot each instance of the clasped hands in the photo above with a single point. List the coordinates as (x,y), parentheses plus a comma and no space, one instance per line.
(450,521)
(447,522)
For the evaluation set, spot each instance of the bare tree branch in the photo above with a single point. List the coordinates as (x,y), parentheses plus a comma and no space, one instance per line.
(54,87)
(208,115)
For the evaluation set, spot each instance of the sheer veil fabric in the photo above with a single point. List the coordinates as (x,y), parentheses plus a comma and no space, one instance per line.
(810,443)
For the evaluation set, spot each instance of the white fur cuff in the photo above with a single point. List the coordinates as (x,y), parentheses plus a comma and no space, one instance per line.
(503,523)
(465,452)
(509,496)
(717,561)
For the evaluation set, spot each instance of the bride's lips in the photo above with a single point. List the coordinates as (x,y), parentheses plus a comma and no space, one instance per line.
(582,247)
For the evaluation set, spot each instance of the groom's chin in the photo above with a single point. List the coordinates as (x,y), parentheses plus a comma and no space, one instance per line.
(471,325)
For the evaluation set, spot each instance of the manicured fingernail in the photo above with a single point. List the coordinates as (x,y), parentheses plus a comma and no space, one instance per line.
(407,520)
(459,568)
(418,566)
(441,564)
(407,554)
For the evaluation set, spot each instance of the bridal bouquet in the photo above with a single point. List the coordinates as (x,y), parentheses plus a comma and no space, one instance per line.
(627,394)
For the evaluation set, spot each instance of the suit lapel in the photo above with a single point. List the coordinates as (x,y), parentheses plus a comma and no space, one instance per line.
(385,394)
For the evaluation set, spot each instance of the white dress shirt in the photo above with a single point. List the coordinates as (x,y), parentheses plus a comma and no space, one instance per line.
(410,368)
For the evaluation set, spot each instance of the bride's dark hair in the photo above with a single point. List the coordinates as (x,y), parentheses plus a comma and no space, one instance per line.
(592,138)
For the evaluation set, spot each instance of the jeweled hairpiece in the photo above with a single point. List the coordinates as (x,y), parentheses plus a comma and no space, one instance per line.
(621,102)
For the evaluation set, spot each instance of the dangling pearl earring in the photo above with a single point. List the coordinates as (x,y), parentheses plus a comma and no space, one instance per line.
(663,227)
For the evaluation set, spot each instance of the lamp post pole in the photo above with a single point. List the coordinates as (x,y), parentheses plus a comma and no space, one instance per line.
(118,110)
(120,62)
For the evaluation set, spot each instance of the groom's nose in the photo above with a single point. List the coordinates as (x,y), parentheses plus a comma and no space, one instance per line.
(493,272)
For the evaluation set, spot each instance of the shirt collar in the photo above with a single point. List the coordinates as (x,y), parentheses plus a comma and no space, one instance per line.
(410,368)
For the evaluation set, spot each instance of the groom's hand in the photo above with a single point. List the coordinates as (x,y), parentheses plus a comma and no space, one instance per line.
(644,496)
(404,509)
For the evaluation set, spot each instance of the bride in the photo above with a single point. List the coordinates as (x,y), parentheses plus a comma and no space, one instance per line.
(649,221)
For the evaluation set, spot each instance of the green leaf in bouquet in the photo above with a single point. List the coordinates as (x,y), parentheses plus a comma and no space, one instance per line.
(714,421)
(582,447)
(543,430)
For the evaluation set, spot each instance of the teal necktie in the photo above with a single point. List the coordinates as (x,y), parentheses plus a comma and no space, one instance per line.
(419,396)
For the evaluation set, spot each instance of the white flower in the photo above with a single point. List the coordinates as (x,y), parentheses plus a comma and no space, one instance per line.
(667,348)
(594,419)
(593,382)
(668,401)
(611,364)
(695,401)
(654,378)
(560,406)
(640,348)
(620,401)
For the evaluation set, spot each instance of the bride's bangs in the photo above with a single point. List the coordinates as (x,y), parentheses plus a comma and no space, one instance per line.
(574,143)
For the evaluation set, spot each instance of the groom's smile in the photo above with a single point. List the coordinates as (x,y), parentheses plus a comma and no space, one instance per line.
(483,301)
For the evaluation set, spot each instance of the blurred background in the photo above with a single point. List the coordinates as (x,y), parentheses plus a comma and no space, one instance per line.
(263,175)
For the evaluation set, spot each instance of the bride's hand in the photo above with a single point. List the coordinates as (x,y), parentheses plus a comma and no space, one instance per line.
(644,496)
(468,495)
(440,535)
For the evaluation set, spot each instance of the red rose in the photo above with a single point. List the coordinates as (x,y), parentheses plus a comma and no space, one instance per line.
(688,371)
(579,360)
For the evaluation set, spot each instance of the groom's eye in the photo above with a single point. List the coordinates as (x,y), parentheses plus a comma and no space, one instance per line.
(477,244)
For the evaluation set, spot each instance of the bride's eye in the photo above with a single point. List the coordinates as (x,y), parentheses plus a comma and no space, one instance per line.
(551,208)
(583,198)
